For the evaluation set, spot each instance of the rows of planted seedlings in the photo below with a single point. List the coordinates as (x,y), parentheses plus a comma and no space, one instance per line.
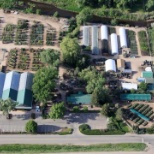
(51,37)
(21,37)
(23,60)
(37,32)
(36,63)
(12,59)
(8,33)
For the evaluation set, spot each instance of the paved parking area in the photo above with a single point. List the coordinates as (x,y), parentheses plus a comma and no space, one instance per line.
(71,120)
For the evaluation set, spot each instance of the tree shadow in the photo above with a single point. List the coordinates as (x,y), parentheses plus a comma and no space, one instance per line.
(47,128)
(80,117)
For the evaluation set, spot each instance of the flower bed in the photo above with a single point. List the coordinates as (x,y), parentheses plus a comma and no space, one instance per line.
(51,37)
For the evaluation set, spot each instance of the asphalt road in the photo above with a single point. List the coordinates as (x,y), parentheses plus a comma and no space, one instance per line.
(73,139)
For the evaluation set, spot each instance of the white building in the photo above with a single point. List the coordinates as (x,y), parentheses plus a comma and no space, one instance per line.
(123,37)
(114,44)
(129,86)
(110,65)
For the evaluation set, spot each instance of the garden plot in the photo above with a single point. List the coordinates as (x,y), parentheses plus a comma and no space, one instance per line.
(24,60)
(8,34)
(132,42)
(51,37)
(37,34)
(22,32)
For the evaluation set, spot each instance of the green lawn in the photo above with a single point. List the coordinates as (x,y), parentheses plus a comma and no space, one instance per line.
(22,148)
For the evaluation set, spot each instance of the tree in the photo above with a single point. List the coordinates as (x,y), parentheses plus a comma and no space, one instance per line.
(70,51)
(119,114)
(95,98)
(105,109)
(149,4)
(7,105)
(8,4)
(143,86)
(57,111)
(55,14)
(44,83)
(31,127)
(84,16)
(50,57)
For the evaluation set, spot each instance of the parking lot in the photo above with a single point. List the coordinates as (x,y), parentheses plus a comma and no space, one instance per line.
(70,120)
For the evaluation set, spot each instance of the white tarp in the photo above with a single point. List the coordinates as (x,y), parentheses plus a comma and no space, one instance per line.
(129,86)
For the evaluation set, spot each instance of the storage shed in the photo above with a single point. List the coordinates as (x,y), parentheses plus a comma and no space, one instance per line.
(94,44)
(120,64)
(114,44)
(129,86)
(123,37)
(110,65)
(86,34)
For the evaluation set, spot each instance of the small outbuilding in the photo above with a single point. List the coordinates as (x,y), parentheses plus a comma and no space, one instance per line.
(110,65)
(120,64)
(123,37)
(129,86)
(114,44)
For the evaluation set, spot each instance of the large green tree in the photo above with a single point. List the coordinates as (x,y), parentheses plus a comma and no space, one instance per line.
(7,105)
(70,51)
(57,111)
(84,16)
(119,114)
(44,83)
(50,57)
(8,4)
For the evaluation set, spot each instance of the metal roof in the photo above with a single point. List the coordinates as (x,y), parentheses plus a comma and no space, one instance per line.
(110,65)
(104,32)
(129,86)
(10,93)
(120,63)
(2,79)
(140,97)
(123,37)
(86,34)
(147,74)
(114,44)
(26,81)
(94,46)
(11,81)
(24,98)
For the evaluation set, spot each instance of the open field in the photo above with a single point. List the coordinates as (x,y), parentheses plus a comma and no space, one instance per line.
(20,148)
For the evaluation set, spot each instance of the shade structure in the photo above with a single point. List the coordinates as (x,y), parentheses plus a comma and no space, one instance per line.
(114,44)
(86,33)
(104,32)
(123,37)
(110,65)
(94,43)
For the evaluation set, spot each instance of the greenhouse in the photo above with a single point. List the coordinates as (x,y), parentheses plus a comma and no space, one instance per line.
(110,65)
(11,85)
(114,44)
(94,47)
(2,79)
(123,37)
(104,32)
(86,33)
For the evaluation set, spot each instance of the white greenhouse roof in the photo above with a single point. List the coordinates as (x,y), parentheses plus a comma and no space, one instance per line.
(86,33)
(104,32)
(123,37)
(110,65)
(26,81)
(11,81)
(94,47)
(129,86)
(114,44)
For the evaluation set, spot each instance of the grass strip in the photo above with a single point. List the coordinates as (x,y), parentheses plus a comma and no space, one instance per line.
(27,148)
